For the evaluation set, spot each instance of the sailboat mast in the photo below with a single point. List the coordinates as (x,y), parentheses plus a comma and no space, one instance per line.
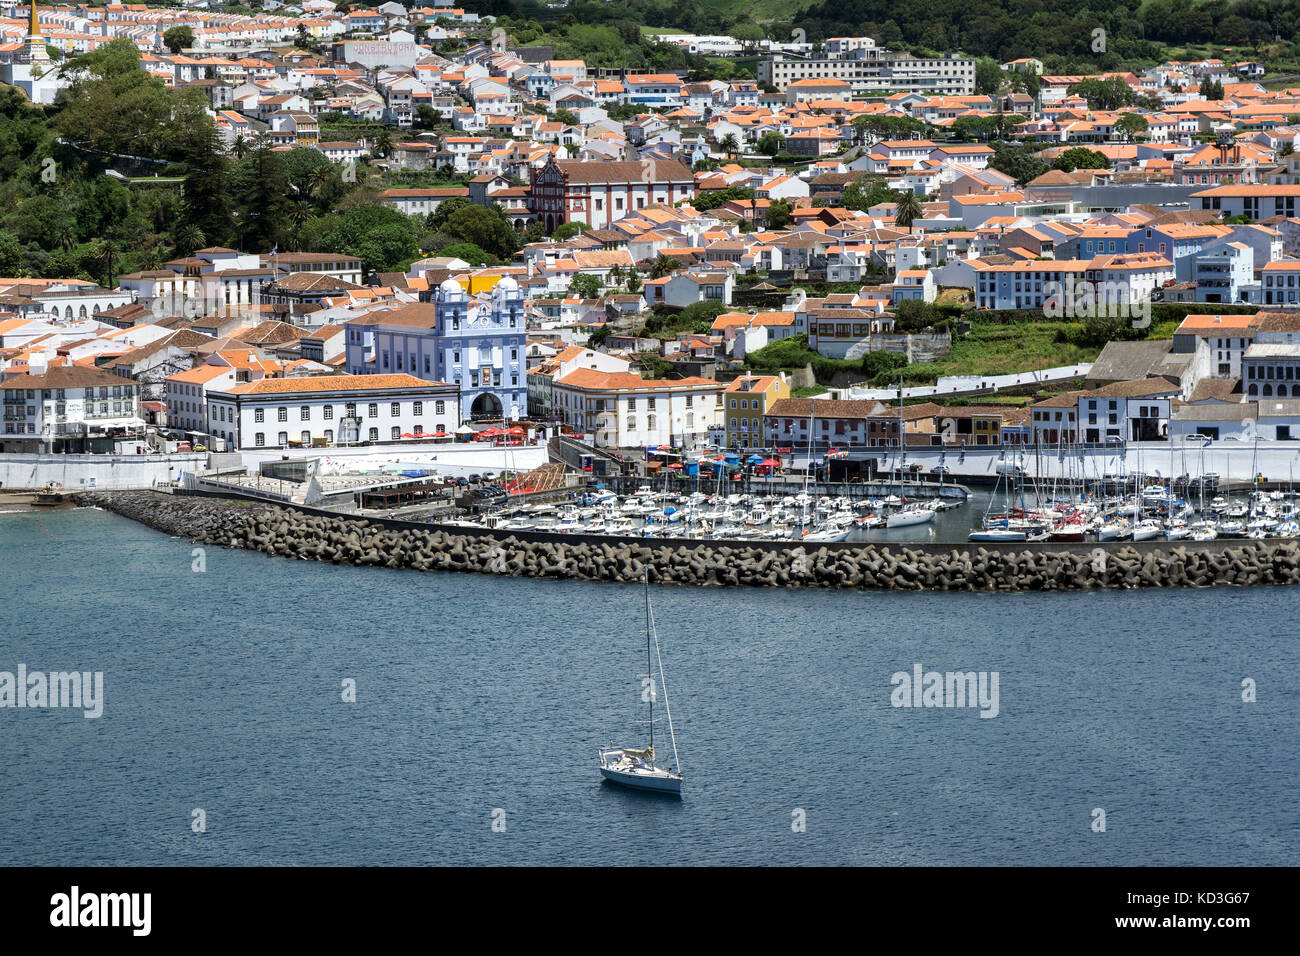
(649,668)
(663,682)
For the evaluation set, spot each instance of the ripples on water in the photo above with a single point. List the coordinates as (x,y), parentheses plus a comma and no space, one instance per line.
(475,693)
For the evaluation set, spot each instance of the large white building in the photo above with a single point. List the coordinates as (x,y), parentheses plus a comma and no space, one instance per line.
(623,410)
(868,68)
(331,410)
(68,408)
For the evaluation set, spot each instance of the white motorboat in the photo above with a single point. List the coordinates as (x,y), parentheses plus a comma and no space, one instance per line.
(1146,531)
(998,534)
(636,768)
(829,532)
(1114,531)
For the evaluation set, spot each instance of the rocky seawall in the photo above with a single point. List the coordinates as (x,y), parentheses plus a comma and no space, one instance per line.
(287,532)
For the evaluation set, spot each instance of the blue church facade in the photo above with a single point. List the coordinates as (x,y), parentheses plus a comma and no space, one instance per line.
(478,343)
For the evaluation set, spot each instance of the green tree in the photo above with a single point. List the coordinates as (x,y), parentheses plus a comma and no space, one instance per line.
(382,237)
(469,252)
(865,193)
(11,256)
(207,200)
(664,265)
(486,227)
(729,145)
(1131,125)
(112,105)
(178,38)
(1080,157)
(771,143)
(567,230)
(1112,94)
(988,76)
(584,286)
(909,209)
(383,142)
(779,214)
(1020,162)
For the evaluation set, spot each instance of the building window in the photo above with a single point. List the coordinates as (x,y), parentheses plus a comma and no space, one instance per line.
(329,412)
(439,407)
(282,414)
(395,409)
(304,413)
(259,415)
(417,408)
(374,434)
(373,410)
(397,433)
(282,438)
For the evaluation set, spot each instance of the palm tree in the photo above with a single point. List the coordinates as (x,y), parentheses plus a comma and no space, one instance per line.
(321,181)
(908,210)
(664,265)
(297,215)
(190,238)
(240,146)
(730,144)
(383,142)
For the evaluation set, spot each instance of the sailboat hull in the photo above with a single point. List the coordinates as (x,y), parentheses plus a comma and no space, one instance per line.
(905,519)
(658,781)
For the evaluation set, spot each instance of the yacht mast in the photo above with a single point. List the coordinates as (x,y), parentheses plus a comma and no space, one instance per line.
(663,682)
(649,668)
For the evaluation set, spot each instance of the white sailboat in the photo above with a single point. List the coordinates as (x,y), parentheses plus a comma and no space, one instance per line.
(637,769)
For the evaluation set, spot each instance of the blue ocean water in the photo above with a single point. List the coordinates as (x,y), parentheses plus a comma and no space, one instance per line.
(483,699)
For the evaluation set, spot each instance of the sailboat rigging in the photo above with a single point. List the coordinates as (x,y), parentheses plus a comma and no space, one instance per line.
(630,767)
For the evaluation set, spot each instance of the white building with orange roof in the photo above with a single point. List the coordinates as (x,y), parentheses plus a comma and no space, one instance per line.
(623,410)
(331,410)
(186,395)
(542,376)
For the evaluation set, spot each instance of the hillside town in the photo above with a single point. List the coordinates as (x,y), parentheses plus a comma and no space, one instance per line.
(774,263)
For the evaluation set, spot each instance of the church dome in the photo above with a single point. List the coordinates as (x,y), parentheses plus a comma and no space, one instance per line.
(507,284)
(451,286)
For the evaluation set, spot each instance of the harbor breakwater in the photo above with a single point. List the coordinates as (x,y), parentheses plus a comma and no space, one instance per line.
(342,539)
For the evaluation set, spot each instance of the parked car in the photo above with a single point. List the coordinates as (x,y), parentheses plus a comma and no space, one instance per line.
(940,470)
(475,479)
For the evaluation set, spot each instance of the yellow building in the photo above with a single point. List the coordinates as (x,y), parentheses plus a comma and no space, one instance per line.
(746,400)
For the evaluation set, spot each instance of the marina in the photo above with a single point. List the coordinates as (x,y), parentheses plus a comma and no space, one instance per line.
(1111,510)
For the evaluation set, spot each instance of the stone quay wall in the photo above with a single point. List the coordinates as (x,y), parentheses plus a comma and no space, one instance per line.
(314,535)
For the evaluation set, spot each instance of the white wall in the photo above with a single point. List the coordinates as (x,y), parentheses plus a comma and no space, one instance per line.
(1276,460)
(75,472)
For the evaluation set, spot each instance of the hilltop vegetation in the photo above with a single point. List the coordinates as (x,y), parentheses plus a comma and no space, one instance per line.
(1061,33)
(61,215)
